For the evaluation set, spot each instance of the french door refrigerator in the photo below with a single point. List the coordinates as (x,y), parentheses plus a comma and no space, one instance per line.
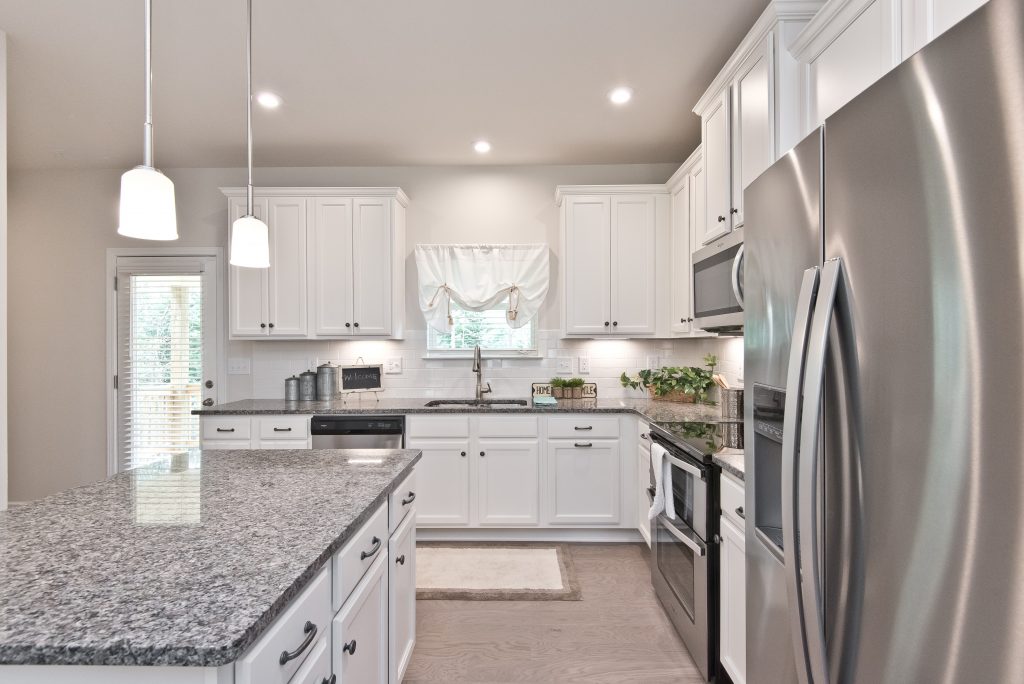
(885,374)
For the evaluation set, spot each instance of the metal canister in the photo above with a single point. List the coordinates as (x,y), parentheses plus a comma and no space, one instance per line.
(291,388)
(307,386)
(326,381)
(732,402)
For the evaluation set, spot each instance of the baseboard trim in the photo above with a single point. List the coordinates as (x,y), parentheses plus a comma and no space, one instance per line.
(528,535)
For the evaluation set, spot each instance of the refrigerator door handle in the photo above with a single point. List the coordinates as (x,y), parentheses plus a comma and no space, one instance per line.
(790,433)
(736,264)
(807,494)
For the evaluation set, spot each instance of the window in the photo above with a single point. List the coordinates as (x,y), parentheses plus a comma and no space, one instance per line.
(488,329)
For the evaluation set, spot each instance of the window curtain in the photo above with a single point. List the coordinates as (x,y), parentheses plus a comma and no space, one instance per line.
(480,277)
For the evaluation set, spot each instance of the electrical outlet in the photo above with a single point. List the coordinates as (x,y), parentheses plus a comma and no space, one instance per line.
(393,366)
(584,363)
(239,366)
(564,366)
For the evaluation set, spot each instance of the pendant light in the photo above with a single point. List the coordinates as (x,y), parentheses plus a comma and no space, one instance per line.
(250,239)
(147,196)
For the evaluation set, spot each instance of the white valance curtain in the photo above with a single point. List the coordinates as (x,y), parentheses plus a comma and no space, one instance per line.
(480,277)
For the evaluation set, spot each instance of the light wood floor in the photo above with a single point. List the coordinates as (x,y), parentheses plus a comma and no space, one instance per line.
(617,633)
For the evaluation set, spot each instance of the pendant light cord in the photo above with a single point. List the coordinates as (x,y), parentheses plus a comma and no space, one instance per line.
(147,142)
(248,63)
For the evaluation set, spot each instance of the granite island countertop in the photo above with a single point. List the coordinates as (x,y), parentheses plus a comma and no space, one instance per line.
(185,562)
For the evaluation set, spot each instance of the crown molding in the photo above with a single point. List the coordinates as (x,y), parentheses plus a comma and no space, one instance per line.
(394,193)
(777,12)
(833,19)
(562,191)
(675,182)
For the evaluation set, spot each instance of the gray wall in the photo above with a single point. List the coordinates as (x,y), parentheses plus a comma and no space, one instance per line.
(62,222)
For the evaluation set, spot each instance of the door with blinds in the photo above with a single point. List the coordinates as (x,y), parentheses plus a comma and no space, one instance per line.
(166,354)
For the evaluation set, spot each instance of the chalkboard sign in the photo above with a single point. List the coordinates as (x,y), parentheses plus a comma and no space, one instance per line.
(361,378)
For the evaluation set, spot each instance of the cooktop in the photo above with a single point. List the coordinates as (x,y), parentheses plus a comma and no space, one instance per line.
(702,440)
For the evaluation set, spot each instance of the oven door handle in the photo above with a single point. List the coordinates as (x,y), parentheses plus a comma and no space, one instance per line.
(685,536)
(683,465)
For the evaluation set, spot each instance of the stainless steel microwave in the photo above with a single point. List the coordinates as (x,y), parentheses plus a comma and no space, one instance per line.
(718,285)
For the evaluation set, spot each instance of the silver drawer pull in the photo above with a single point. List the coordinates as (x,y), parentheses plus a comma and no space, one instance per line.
(225,429)
(282,429)
(583,444)
(584,427)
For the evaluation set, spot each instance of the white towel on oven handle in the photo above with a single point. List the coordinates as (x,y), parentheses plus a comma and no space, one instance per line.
(662,484)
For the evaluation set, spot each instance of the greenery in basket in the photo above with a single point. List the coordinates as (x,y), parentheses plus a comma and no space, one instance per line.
(667,379)
(574,382)
(557,382)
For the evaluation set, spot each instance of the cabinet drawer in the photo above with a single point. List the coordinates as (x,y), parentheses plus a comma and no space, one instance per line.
(583,426)
(402,501)
(437,426)
(225,444)
(283,444)
(365,546)
(507,426)
(262,663)
(284,427)
(223,427)
(732,500)
(317,668)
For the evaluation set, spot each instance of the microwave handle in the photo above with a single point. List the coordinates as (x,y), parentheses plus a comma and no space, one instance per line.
(737,263)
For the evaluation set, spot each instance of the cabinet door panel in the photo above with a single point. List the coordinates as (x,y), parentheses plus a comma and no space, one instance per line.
(287,274)
(643,477)
(508,480)
(371,266)
(753,114)
(733,634)
(717,175)
(402,599)
(587,263)
(247,305)
(633,250)
(583,481)
(331,258)
(682,307)
(442,476)
(363,620)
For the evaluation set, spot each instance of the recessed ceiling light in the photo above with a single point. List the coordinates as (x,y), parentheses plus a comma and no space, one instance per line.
(621,95)
(268,99)
(482,146)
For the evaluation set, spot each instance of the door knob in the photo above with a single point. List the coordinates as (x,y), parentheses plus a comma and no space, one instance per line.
(209,384)
(263,325)
(271,325)
(721,219)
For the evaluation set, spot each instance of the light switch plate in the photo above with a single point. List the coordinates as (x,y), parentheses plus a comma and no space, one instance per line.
(393,366)
(239,366)
(584,364)
(653,362)
(564,366)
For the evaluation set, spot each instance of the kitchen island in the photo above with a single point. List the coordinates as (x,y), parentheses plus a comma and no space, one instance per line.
(187,566)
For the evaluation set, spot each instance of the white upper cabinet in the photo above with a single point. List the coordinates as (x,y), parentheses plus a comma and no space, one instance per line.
(753,143)
(337,265)
(633,235)
(687,191)
(610,260)
(717,170)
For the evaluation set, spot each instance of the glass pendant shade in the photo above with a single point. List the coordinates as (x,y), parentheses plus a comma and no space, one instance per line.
(147,205)
(250,243)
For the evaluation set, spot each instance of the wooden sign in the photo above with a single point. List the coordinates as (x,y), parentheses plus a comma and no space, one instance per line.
(361,378)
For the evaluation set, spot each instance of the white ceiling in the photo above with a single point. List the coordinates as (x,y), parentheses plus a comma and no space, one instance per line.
(365,82)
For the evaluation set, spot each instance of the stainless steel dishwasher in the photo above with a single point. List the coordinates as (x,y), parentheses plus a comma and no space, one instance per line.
(358,432)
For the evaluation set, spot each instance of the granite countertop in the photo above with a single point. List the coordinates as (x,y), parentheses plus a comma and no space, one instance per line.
(186,562)
(652,410)
(731,461)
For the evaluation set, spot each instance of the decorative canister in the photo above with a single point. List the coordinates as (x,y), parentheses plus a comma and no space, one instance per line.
(307,386)
(291,388)
(732,402)
(326,381)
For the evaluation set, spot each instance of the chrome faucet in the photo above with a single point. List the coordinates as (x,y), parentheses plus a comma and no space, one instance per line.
(478,369)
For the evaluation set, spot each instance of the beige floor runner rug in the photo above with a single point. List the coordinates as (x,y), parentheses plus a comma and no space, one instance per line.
(474,571)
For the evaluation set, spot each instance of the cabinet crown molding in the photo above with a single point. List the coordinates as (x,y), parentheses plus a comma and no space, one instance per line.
(393,192)
(775,13)
(562,191)
(675,182)
(825,27)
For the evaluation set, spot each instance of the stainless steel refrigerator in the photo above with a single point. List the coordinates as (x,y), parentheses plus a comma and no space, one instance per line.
(884,344)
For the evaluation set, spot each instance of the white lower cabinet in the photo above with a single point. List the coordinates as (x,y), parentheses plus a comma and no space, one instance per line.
(402,598)
(443,479)
(359,634)
(733,583)
(508,482)
(643,505)
(257,432)
(583,481)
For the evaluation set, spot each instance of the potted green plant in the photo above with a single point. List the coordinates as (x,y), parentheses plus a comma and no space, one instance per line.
(675,383)
(574,387)
(558,388)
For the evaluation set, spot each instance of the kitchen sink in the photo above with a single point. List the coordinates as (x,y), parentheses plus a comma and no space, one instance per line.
(477,403)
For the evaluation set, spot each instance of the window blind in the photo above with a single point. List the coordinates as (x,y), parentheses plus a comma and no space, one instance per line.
(160,343)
